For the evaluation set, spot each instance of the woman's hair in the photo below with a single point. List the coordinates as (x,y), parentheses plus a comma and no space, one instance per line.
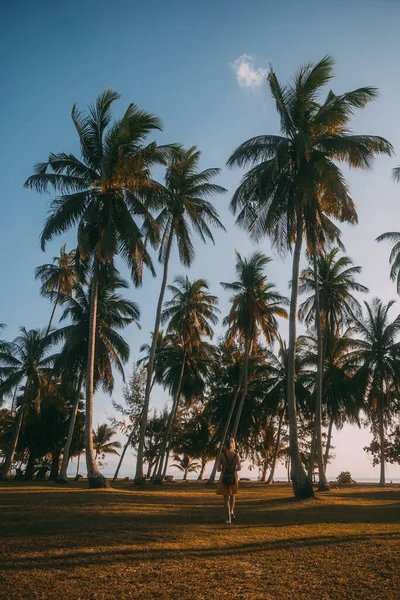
(230,443)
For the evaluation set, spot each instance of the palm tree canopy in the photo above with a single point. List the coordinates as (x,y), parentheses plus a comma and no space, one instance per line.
(102,440)
(184,202)
(337,283)
(102,192)
(294,176)
(61,276)
(113,312)
(192,310)
(394,258)
(255,303)
(27,356)
(378,353)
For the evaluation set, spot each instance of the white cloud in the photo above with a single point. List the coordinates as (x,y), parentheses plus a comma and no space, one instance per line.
(246,73)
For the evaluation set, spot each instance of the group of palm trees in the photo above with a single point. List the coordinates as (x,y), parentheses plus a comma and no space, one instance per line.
(292,193)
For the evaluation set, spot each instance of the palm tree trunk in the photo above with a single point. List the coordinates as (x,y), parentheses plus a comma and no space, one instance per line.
(328,442)
(382,444)
(62,477)
(6,466)
(128,441)
(30,466)
(276,449)
(302,487)
(95,478)
(323,484)
(263,476)
(211,479)
(77,468)
(204,462)
(52,315)
(139,478)
(55,463)
(244,392)
(168,431)
(313,450)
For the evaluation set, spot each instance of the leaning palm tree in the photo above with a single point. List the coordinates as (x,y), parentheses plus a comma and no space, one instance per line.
(378,375)
(254,311)
(295,188)
(102,441)
(184,206)
(60,277)
(112,351)
(26,360)
(190,314)
(331,282)
(103,194)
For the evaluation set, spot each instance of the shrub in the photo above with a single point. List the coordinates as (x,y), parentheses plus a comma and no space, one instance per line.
(345,477)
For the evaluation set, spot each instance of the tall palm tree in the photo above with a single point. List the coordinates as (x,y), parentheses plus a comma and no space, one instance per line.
(58,278)
(102,441)
(27,359)
(184,206)
(295,187)
(254,311)
(378,375)
(190,314)
(103,194)
(112,351)
(331,281)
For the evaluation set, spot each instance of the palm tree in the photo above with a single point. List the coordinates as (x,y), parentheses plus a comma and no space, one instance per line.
(27,358)
(295,188)
(58,278)
(394,237)
(184,205)
(190,314)
(255,306)
(114,312)
(334,280)
(102,442)
(186,465)
(378,375)
(103,195)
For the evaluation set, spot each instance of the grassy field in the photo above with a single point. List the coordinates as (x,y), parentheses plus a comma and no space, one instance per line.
(171,542)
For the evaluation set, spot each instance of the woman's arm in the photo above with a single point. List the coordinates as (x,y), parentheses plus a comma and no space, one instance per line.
(238,465)
(219,464)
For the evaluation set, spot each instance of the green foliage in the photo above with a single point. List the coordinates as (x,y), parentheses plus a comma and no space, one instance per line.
(344,477)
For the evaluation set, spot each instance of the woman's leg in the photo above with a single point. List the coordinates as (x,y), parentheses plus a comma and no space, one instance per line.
(232,504)
(227,507)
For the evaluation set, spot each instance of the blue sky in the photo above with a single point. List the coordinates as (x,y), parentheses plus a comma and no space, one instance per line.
(199,66)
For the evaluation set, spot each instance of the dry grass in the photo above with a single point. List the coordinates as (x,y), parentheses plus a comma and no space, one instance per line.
(170,542)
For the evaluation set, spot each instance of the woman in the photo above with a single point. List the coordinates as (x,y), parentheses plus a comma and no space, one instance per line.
(228,465)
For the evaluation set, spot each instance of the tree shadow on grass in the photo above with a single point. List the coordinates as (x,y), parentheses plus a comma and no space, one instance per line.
(115,555)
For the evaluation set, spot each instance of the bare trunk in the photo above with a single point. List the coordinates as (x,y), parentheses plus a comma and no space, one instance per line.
(55,464)
(313,449)
(204,462)
(95,478)
(6,466)
(169,429)
(323,484)
(30,466)
(121,458)
(63,478)
(263,476)
(52,315)
(139,478)
(276,449)
(77,468)
(382,445)
(328,442)
(211,479)
(302,487)
(244,392)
